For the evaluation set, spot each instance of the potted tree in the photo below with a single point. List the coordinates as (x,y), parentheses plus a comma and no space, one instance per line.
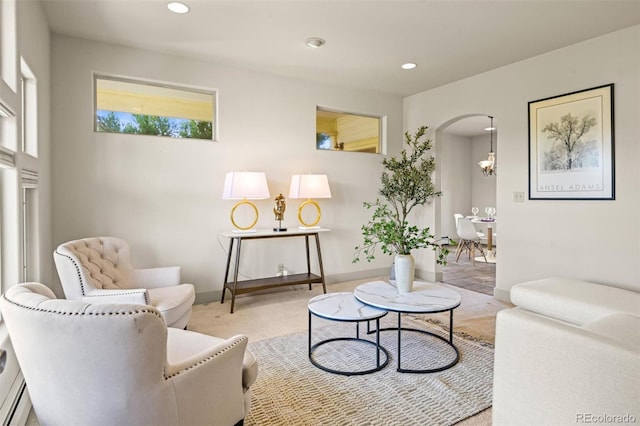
(406,183)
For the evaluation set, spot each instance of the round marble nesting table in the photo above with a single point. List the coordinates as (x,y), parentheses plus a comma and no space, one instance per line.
(345,308)
(425,298)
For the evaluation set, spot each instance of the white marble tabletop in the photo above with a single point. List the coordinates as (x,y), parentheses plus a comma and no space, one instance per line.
(343,307)
(484,221)
(424,298)
(262,233)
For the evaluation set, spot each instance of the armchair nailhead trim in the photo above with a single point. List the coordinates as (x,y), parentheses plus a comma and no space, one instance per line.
(77,270)
(203,361)
(84,293)
(121,293)
(138,311)
(50,311)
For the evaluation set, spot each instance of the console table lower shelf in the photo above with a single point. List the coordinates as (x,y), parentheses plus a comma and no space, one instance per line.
(236,286)
(249,286)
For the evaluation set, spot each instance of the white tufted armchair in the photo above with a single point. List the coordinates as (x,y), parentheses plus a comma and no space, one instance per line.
(99,270)
(118,364)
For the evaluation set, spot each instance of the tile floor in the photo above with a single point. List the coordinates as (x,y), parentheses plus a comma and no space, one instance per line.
(480,277)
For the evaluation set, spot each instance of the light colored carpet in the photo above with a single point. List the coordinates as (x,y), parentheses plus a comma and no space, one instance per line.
(291,391)
(265,316)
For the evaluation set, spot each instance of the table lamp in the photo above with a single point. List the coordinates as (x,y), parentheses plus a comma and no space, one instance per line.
(309,186)
(245,186)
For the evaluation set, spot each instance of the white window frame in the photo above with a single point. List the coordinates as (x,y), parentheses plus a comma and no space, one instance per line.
(29,109)
(172,87)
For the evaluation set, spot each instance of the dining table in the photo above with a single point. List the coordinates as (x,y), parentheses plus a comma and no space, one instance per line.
(489,223)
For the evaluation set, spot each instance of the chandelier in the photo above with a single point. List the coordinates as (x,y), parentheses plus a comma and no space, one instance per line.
(488,165)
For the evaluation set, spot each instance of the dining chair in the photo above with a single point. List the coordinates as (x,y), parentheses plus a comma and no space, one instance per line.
(458,216)
(469,240)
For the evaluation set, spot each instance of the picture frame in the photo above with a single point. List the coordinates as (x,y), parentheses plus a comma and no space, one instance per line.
(571,146)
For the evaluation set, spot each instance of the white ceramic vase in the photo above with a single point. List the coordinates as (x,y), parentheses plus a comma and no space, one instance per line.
(405,266)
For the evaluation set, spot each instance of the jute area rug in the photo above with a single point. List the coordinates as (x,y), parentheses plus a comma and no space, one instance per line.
(291,391)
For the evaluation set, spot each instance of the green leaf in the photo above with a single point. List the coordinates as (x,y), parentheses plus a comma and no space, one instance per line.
(406,183)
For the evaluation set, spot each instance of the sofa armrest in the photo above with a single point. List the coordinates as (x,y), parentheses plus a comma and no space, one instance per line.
(550,372)
(136,296)
(210,378)
(623,328)
(574,301)
(155,277)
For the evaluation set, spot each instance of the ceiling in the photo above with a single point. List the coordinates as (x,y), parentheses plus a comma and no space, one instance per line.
(366,40)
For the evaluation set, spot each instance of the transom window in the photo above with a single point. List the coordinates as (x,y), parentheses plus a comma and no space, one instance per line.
(141,108)
(341,131)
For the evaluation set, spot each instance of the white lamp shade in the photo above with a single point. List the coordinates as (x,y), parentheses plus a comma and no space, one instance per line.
(309,186)
(249,185)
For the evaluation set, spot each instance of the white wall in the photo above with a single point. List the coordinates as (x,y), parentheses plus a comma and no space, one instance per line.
(34,48)
(594,240)
(163,195)
(483,188)
(31,42)
(462,183)
(455,154)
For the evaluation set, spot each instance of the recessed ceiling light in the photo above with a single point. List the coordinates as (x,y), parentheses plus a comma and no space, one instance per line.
(314,42)
(408,66)
(177,7)
(489,128)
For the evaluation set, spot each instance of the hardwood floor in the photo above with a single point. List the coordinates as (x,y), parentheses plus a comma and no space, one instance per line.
(480,278)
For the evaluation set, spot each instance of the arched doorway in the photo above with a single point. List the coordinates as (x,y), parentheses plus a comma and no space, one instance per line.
(461,143)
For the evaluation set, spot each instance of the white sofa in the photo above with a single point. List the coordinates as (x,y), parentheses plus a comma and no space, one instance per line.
(567,354)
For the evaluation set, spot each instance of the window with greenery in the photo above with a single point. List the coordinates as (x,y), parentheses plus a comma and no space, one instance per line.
(140,108)
(341,131)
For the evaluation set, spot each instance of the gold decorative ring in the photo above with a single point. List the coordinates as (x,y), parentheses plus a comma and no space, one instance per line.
(302,206)
(238,204)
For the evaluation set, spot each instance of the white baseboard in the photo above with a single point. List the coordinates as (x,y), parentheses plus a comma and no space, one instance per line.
(429,276)
(15,403)
(378,273)
(18,406)
(502,295)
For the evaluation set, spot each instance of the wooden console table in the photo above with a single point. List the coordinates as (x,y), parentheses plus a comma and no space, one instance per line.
(247,286)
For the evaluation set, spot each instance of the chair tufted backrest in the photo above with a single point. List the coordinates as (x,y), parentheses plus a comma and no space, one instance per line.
(100,263)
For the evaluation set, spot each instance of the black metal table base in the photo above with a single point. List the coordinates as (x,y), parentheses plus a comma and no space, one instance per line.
(379,349)
(449,342)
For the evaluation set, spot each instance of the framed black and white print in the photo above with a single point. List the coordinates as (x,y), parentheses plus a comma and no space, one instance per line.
(571,146)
